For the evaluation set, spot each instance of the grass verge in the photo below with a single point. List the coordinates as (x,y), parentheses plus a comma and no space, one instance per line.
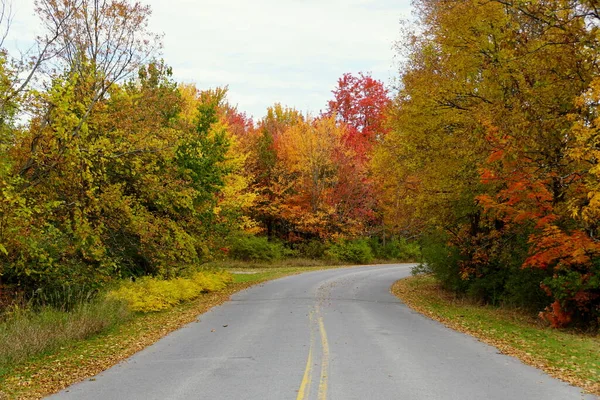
(71,361)
(32,333)
(567,355)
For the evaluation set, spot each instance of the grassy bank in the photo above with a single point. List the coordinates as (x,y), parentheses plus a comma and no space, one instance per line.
(41,369)
(26,334)
(568,355)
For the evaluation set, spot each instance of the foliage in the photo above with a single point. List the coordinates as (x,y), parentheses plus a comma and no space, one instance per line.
(255,248)
(150,294)
(136,190)
(442,261)
(311,174)
(399,249)
(488,153)
(121,172)
(360,102)
(351,251)
(491,151)
(313,249)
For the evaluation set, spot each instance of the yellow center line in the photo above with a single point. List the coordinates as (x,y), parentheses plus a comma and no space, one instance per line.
(305,385)
(304,390)
(324,361)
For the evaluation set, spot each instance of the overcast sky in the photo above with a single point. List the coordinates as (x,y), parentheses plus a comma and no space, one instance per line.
(267,51)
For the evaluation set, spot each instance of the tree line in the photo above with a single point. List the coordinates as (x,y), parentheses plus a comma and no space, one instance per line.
(494,151)
(111,169)
(487,154)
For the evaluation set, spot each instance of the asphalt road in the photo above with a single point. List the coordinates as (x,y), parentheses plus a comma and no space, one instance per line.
(335,334)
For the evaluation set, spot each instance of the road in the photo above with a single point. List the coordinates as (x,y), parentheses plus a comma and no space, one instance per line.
(335,334)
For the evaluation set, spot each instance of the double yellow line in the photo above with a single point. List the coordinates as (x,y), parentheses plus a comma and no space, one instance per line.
(305,385)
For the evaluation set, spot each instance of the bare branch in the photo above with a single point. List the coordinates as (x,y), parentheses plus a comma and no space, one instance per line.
(6,16)
(103,42)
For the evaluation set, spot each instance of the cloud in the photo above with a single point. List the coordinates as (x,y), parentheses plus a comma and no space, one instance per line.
(267,51)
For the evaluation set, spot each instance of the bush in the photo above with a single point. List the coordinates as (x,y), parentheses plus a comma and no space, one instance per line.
(352,251)
(523,289)
(312,249)
(396,249)
(255,248)
(501,280)
(151,294)
(577,297)
(443,261)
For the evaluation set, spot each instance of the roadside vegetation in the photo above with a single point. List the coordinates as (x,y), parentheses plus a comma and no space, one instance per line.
(44,351)
(567,354)
(26,333)
(492,155)
(118,183)
(32,330)
(123,191)
(51,326)
(126,195)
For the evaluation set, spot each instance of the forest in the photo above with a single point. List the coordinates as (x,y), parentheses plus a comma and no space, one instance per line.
(483,162)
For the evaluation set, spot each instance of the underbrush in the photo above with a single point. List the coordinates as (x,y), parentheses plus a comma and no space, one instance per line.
(68,363)
(366,251)
(259,249)
(396,249)
(233,265)
(351,251)
(256,248)
(31,329)
(150,294)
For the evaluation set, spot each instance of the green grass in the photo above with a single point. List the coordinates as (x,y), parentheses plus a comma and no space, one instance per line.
(235,265)
(258,275)
(566,354)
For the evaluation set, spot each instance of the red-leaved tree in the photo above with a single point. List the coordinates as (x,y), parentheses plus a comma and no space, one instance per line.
(360,102)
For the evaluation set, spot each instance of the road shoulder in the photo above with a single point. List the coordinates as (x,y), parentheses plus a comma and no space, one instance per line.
(566,355)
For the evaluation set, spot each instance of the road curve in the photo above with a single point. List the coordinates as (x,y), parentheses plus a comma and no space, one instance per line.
(327,335)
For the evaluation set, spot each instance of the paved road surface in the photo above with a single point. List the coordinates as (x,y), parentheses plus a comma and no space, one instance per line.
(335,334)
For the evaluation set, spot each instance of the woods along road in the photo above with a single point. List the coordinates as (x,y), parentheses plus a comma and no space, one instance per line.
(333,334)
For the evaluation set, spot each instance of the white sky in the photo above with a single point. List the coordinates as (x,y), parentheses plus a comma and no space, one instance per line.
(267,51)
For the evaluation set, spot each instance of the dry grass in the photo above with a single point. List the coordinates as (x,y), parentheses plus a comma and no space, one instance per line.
(24,334)
(573,357)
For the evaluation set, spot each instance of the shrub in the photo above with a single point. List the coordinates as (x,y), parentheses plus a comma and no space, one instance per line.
(395,249)
(443,261)
(501,280)
(523,288)
(312,249)
(255,248)
(151,294)
(577,297)
(352,251)
(212,282)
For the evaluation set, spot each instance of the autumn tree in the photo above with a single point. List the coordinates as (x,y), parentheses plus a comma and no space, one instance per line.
(269,180)
(94,44)
(481,142)
(360,102)
(324,197)
(116,174)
